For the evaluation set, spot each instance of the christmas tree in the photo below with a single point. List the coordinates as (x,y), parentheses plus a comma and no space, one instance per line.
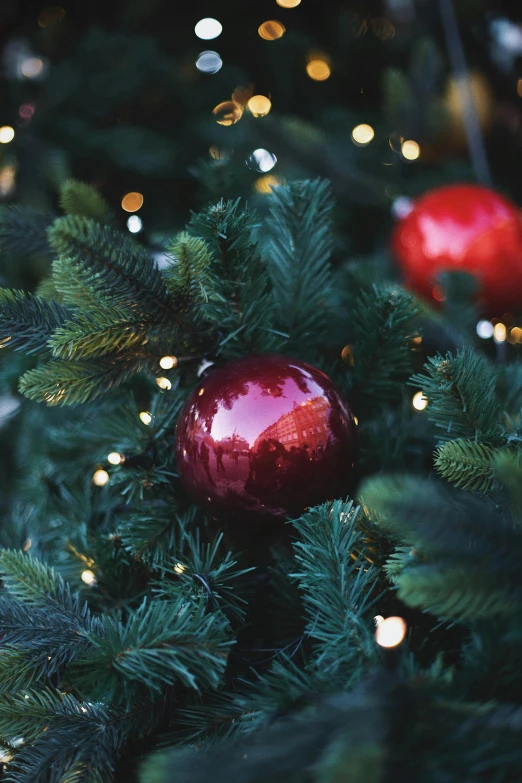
(261,507)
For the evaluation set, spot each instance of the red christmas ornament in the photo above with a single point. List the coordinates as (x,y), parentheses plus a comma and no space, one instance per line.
(466,228)
(265,437)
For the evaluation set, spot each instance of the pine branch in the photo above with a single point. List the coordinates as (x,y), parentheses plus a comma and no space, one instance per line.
(83,200)
(382,323)
(114,269)
(152,534)
(189,276)
(98,333)
(338,587)
(299,248)
(75,382)
(23,232)
(28,322)
(162,643)
(467,464)
(461,394)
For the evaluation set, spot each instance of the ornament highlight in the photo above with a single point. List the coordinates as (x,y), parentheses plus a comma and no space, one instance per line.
(463,228)
(264,438)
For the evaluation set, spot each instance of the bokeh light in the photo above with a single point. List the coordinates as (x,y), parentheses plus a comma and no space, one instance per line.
(100,478)
(419,401)
(208,28)
(7,179)
(265,184)
(32,67)
(26,111)
(262,160)
(288,3)
(228,113)
(115,458)
(259,105)
(164,383)
(131,202)
(318,69)
(499,333)
(390,632)
(410,150)
(362,134)
(88,577)
(209,62)
(50,16)
(145,417)
(485,329)
(134,224)
(271,30)
(7,134)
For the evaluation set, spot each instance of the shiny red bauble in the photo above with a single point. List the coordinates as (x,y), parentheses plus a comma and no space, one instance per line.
(264,438)
(463,228)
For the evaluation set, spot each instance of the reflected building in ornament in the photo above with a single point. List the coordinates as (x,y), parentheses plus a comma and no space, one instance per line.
(305,426)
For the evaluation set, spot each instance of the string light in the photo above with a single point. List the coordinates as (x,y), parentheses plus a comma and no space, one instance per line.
(318,69)
(485,329)
(145,417)
(134,224)
(179,568)
(131,202)
(209,62)
(262,160)
(27,545)
(516,334)
(288,3)
(271,30)
(419,401)
(228,113)
(499,333)
(265,184)
(168,362)
(88,577)
(362,134)
(390,632)
(115,458)
(32,67)
(410,150)
(100,478)
(7,179)
(259,105)
(208,28)
(7,134)
(164,383)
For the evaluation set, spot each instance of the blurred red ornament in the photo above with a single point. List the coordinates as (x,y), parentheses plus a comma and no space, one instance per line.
(463,228)
(265,437)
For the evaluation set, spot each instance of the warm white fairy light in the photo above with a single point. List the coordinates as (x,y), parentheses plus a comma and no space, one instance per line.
(179,568)
(419,401)
(7,134)
(100,478)
(115,458)
(168,362)
(145,417)
(362,134)
(410,150)
(88,577)
(164,383)
(390,632)
(499,333)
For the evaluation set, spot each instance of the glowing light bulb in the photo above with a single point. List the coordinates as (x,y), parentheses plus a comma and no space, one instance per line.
(362,134)
(201,392)
(209,62)
(499,333)
(179,568)
(390,632)
(145,417)
(164,383)
(485,329)
(288,3)
(318,70)
(227,113)
(32,67)
(168,362)
(131,202)
(115,458)
(516,334)
(7,134)
(100,478)
(208,28)
(262,160)
(259,105)
(419,401)
(271,30)
(410,150)
(88,577)
(134,224)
